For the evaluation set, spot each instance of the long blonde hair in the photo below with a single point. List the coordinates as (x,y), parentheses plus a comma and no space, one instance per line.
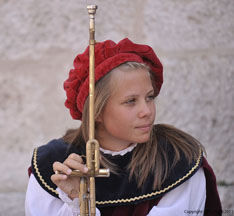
(149,157)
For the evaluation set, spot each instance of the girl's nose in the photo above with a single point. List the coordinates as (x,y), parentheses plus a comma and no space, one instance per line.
(145,110)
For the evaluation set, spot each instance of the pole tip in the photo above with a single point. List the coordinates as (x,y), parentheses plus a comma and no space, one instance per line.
(92,7)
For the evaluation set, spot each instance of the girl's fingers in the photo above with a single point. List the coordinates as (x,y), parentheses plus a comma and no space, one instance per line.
(74,161)
(76,157)
(58,177)
(74,165)
(61,168)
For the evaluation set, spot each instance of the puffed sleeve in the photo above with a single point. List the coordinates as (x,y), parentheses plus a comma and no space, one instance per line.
(186,199)
(39,202)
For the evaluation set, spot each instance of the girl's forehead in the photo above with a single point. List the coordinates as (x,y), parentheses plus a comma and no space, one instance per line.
(130,80)
(128,74)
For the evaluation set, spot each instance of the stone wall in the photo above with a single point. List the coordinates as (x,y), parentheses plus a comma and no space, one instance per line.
(39,39)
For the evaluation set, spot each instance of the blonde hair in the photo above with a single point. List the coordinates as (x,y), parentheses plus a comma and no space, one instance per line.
(148,157)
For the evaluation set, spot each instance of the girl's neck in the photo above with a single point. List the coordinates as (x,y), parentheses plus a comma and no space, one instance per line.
(112,146)
(109,142)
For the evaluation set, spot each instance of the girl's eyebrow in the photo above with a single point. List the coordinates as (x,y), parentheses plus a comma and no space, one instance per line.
(129,96)
(151,91)
(135,95)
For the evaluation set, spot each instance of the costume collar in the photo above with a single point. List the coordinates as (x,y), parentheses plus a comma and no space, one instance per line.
(122,152)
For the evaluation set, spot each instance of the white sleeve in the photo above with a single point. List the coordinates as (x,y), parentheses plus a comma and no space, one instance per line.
(39,202)
(186,199)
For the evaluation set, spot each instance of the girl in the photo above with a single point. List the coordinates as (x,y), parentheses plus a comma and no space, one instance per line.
(155,169)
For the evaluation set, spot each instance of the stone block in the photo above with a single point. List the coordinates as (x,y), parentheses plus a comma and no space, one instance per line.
(189,25)
(197,96)
(32,112)
(227,196)
(12,204)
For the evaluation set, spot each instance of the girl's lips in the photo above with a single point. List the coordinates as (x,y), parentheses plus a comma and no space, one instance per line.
(144,127)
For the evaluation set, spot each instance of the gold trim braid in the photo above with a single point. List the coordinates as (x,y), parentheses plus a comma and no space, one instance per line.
(156,192)
(38,172)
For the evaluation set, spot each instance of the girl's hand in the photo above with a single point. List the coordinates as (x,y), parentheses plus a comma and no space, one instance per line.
(69,184)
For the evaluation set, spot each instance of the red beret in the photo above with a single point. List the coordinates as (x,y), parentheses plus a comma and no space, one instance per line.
(108,55)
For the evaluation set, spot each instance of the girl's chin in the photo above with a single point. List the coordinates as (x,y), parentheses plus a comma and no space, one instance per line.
(143,139)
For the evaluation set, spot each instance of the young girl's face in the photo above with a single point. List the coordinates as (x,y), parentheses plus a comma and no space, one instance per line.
(129,114)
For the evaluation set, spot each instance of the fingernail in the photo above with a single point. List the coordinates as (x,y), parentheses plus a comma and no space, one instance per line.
(69,171)
(86,169)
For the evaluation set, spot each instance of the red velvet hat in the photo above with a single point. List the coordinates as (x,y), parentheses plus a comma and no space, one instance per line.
(108,55)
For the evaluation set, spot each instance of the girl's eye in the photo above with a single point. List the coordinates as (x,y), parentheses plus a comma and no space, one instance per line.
(130,101)
(151,97)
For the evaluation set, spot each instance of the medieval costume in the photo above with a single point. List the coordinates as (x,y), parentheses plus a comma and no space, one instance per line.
(190,187)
